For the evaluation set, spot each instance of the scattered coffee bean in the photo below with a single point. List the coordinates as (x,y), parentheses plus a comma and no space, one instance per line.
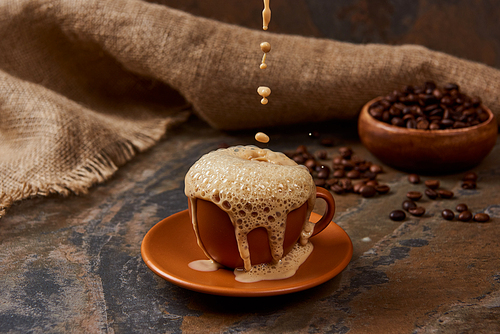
(376,169)
(481,217)
(448,214)
(336,188)
(432,184)
(465,216)
(431,193)
(397,215)
(470,176)
(345,152)
(357,187)
(369,175)
(353,174)
(323,155)
(367,191)
(414,178)
(319,182)
(324,172)
(382,189)
(429,107)
(445,193)
(373,183)
(469,185)
(408,204)
(414,195)
(332,181)
(339,173)
(310,164)
(462,207)
(418,211)
(346,184)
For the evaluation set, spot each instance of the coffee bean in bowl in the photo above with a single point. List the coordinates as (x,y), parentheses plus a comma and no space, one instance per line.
(428,129)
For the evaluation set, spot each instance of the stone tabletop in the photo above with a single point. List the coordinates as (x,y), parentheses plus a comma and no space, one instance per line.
(73,264)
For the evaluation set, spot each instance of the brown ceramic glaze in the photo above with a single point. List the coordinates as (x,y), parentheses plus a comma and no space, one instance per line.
(427,151)
(217,232)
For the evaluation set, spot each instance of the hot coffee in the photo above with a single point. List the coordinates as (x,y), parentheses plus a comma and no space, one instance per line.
(257,188)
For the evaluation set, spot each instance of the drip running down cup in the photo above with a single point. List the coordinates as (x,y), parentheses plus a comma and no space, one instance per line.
(250,209)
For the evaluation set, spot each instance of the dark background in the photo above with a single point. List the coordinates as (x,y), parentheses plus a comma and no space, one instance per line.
(469,29)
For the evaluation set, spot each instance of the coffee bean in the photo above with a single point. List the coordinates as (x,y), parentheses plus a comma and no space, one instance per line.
(445,193)
(348,165)
(319,182)
(369,175)
(382,189)
(426,108)
(434,126)
(408,204)
(322,155)
(414,178)
(431,193)
(397,215)
(481,217)
(418,211)
(357,187)
(376,169)
(324,172)
(372,183)
(299,159)
(414,195)
(462,207)
(346,184)
(432,184)
(470,176)
(465,216)
(336,188)
(310,164)
(469,185)
(367,191)
(339,173)
(353,174)
(345,152)
(448,214)
(337,160)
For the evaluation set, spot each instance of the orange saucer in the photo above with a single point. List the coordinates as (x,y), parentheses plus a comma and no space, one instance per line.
(170,246)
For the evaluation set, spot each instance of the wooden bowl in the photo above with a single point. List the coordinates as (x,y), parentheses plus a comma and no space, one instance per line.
(427,151)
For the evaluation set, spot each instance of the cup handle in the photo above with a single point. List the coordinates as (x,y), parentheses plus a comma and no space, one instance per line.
(330,210)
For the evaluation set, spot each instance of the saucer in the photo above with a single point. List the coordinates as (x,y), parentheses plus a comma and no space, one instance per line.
(171,245)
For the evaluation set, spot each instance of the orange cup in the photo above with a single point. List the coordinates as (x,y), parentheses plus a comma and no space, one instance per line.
(216,232)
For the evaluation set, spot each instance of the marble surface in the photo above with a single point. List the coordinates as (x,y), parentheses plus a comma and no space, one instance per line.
(74,265)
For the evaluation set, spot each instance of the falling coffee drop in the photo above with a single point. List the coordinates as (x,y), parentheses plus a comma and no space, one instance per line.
(261,137)
(264,92)
(265,47)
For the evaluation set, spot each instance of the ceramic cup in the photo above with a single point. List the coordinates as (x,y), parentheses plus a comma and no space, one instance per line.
(216,231)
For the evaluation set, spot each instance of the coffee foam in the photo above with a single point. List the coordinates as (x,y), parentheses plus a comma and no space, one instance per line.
(257,188)
(285,268)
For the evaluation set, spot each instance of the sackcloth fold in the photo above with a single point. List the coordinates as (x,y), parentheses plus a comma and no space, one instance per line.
(87,84)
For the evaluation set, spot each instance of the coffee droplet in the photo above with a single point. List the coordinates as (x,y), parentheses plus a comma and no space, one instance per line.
(266,15)
(265,47)
(263,64)
(264,92)
(261,137)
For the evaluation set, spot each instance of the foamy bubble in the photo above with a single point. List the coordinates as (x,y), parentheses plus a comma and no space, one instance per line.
(256,187)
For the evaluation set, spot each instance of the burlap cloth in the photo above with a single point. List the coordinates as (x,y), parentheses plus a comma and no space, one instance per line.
(86,84)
